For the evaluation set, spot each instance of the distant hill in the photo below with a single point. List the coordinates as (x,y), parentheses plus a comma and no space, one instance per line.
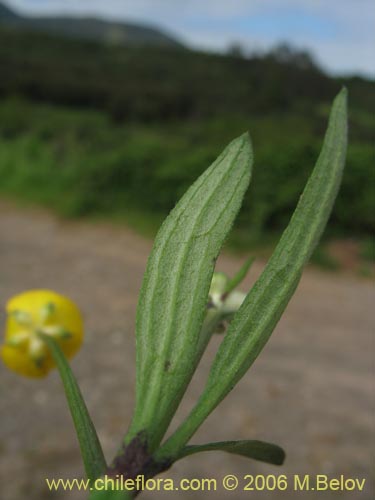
(6,13)
(89,28)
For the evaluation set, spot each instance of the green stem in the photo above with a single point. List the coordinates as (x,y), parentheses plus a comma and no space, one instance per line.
(212,320)
(91,451)
(173,446)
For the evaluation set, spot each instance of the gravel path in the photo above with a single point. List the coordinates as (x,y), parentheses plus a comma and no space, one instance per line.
(311,390)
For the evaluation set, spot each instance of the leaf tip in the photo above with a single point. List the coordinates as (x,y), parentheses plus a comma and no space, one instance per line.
(344,90)
(245,137)
(342,97)
(280,457)
(245,144)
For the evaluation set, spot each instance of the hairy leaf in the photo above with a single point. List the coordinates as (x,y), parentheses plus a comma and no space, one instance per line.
(254,322)
(172,303)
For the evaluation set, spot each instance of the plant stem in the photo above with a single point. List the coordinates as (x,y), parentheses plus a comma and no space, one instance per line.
(91,451)
(173,446)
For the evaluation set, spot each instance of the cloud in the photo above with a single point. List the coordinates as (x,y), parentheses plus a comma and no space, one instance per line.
(339,32)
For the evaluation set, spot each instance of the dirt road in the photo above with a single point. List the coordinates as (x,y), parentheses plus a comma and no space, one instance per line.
(311,390)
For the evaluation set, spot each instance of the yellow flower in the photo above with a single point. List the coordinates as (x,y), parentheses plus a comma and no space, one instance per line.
(34,312)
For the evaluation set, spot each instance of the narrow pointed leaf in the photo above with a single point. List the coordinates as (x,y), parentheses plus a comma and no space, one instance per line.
(91,451)
(257,450)
(240,276)
(265,303)
(174,292)
(254,322)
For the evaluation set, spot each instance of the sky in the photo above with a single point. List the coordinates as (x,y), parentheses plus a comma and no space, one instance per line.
(340,33)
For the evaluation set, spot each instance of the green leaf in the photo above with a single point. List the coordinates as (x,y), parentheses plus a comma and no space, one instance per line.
(257,450)
(172,303)
(254,322)
(240,276)
(91,451)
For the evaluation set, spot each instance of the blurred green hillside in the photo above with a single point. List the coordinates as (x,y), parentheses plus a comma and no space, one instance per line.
(89,28)
(90,129)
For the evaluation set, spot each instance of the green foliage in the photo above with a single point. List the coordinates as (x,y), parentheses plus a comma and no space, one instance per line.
(140,124)
(174,292)
(256,319)
(176,316)
(257,450)
(80,163)
(172,307)
(150,83)
(92,453)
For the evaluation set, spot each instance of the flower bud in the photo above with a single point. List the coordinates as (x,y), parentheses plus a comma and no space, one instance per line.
(223,303)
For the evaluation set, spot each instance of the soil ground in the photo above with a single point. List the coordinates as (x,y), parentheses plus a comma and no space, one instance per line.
(311,390)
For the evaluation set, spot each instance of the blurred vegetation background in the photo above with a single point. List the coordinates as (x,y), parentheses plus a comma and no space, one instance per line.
(121,130)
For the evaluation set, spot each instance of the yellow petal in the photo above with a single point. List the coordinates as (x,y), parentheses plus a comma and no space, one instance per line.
(65,315)
(21,363)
